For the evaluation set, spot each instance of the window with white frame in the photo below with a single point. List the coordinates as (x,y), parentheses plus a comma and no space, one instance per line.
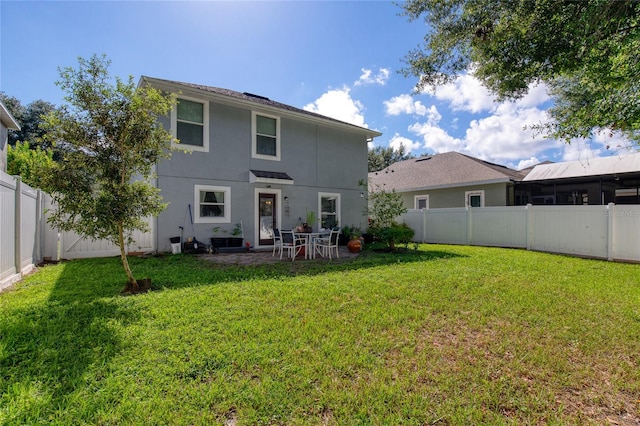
(190,124)
(329,207)
(212,204)
(474,198)
(421,202)
(266,136)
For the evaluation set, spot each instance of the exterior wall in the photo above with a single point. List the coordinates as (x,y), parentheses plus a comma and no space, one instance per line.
(494,195)
(318,159)
(4,138)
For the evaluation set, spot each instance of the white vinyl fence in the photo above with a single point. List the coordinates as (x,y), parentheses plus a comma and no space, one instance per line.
(608,232)
(26,239)
(21,229)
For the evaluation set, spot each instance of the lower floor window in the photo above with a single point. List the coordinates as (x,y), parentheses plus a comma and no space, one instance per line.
(213,204)
(329,206)
(421,202)
(474,198)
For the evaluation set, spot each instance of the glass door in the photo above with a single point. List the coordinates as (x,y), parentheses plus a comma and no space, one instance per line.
(268,217)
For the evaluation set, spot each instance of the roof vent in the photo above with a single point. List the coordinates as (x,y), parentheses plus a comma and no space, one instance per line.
(423,159)
(253,95)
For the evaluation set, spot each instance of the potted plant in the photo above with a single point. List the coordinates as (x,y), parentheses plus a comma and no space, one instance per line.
(217,241)
(236,239)
(310,221)
(355,242)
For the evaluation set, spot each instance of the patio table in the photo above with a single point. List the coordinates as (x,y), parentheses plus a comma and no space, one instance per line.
(309,246)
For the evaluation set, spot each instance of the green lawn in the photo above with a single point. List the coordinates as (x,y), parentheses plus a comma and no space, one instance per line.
(442,335)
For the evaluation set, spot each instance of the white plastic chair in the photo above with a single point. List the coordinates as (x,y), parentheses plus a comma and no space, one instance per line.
(277,242)
(292,244)
(326,245)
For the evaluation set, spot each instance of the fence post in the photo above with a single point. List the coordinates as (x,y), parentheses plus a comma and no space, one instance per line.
(529,220)
(424,226)
(37,248)
(610,224)
(469,225)
(17,223)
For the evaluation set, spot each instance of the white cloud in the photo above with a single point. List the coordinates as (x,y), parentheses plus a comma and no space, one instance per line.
(503,136)
(409,145)
(523,164)
(466,93)
(367,77)
(405,104)
(339,104)
(435,138)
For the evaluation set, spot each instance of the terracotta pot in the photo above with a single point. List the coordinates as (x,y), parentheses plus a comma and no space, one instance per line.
(354,245)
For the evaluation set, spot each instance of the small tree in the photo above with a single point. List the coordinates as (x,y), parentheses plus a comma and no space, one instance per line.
(30,164)
(384,207)
(110,139)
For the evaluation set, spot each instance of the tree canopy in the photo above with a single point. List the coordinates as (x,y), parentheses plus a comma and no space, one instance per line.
(30,164)
(30,118)
(110,138)
(587,52)
(381,157)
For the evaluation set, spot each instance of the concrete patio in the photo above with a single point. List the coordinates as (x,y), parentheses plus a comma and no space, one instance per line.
(262,257)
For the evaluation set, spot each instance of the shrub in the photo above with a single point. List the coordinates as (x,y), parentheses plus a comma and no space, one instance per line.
(396,233)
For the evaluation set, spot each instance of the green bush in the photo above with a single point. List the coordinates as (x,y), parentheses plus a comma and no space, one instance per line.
(396,233)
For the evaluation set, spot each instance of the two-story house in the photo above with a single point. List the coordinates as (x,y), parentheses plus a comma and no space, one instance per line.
(243,158)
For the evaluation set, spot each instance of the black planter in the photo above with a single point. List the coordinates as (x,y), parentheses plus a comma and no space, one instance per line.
(368,238)
(219,241)
(234,241)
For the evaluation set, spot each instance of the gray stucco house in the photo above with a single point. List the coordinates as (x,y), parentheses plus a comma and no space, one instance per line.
(449,180)
(244,158)
(7,122)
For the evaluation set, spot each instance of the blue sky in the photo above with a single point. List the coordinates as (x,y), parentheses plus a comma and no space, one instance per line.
(337,58)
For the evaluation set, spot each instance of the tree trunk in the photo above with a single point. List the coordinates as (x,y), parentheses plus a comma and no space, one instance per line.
(132,284)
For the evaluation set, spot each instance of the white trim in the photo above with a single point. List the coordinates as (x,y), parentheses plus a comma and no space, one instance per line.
(338,212)
(416,198)
(469,194)
(205,130)
(256,218)
(196,204)
(254,138)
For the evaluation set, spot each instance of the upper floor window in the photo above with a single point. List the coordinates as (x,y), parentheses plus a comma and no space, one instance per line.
(421,202)
(190,124)
(213,204)
(266,137)
(474,198)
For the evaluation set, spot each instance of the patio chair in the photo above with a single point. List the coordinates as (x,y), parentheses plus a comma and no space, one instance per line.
(277,242)
(291,243)
(325,246)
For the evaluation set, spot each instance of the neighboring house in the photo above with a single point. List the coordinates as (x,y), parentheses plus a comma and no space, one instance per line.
(595,181)
(243,158)
(446,180)
(7,122)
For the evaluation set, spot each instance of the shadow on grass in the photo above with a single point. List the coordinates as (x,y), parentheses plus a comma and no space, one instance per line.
(48,347)
(179,271)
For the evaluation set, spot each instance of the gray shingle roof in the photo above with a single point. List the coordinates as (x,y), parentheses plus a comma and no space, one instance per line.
(449,169)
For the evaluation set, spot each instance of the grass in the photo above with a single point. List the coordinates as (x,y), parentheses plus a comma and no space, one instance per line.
(442,335)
